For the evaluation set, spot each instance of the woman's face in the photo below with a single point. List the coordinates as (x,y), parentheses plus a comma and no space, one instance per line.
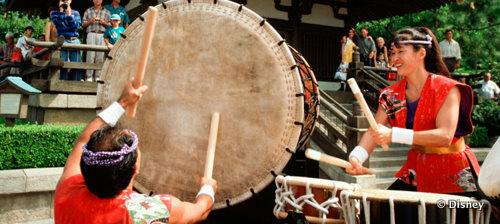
(351,34)
(405,59)
(380,43)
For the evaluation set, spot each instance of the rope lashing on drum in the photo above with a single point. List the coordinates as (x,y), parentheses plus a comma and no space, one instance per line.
(164,5)
(109,57)
(421,211)
(281,42)
(391,208)
(240,8)
(488,212)
(285,196)
(366,207)
(123,35)
(142,18)
(348,208)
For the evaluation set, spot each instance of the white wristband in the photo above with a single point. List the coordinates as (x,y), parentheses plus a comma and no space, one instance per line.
(360,153)
(402,135)
(208,190)
(112,114)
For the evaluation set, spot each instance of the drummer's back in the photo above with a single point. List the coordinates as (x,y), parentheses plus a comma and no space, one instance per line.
(74,203)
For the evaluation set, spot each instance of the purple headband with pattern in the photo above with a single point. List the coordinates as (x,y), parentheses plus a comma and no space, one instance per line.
(107,158)
(425,42)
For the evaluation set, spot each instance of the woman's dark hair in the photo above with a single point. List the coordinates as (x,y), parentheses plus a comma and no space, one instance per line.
(355,37)
(433,61)
(109,181)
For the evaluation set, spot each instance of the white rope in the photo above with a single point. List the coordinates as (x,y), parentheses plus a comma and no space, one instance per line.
(391,207)
(488,211)
(347,208)
(453,216)
(421,211)
(284,196)
(366,206)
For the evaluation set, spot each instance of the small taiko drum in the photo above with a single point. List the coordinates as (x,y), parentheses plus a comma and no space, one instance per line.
(317,199)
(212,56)
(424,201)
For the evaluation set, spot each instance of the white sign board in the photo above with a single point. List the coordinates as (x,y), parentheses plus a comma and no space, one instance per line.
(9,103)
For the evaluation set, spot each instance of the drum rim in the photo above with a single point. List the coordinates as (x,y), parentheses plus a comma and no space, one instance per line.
(286,57)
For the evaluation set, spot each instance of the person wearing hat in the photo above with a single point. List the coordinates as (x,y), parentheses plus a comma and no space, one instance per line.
(113,32)
(115,8)
(26,50)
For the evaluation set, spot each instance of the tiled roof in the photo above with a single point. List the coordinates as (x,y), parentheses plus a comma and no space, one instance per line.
(19,83)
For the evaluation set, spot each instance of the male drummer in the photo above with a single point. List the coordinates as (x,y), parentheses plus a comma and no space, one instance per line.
(96,185)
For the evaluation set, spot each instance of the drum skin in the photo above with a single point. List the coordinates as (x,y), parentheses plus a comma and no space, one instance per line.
(207,58)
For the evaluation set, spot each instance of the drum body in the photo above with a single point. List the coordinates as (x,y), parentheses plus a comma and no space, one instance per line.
(209,57)
(311,98)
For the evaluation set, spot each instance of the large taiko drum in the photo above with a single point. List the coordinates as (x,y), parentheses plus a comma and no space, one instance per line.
(211,56)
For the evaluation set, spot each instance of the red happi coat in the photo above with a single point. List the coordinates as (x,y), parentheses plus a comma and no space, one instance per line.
(434,173)
(75,204)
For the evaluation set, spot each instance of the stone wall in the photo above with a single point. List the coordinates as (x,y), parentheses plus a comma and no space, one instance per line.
(28,194)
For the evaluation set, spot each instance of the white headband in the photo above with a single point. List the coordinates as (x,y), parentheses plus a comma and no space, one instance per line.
(425,42)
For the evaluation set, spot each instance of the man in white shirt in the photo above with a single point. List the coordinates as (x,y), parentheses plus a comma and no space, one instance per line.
(450,51)
(489,90)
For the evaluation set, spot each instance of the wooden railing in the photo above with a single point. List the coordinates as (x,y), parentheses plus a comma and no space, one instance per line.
(55,63)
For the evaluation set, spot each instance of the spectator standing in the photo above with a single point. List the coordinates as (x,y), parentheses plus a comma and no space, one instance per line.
(347,48)
(50,28)
(366,48)
(113,32)
(381,50)
(95,20)
(450,51)
(67,22)
(26,50)
(489,90)
(6,52)
(116,8)
(7,49)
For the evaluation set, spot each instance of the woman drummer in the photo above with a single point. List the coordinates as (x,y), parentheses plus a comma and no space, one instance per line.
(428,111)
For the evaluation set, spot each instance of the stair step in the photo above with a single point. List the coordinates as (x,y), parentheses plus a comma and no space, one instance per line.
(384,183)
(392,152)
(380,162)
(481,153)
(386,171)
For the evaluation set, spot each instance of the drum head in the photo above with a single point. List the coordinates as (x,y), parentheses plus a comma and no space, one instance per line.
(207,58)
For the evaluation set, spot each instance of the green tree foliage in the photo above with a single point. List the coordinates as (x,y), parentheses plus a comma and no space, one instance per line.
(15,23)
(476,27)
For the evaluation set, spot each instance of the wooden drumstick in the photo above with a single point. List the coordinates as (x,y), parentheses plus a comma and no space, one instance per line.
(318,156)
(143,57)
(359,96)
(212,139)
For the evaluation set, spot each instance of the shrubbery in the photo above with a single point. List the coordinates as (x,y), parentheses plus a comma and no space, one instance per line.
(487,114)
(32,146)
(479,138)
